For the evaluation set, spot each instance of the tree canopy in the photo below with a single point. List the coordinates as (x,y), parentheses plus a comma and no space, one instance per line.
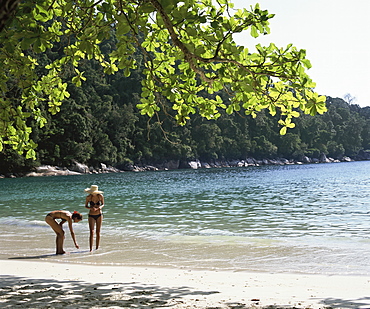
(187,55)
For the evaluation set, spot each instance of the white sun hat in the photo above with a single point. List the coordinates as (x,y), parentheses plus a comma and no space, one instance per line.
(93,190)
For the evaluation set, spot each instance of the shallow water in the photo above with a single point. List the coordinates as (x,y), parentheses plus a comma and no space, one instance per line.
(297,218)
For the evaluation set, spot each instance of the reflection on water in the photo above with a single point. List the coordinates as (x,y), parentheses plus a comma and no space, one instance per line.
(308,218)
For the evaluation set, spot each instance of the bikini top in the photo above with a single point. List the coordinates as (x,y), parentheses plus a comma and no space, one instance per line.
(98,203)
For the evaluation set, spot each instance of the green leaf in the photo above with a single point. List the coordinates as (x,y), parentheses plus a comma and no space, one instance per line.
(123,28)
(31,154)
(127,72)
(27,42)
(215,24)
(229,109)
(283,131)
(254,32)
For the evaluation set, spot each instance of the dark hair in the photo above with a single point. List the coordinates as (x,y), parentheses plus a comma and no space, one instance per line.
(76,215)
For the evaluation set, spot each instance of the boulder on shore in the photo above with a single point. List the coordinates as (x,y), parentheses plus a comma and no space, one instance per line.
(194,164)
(323,158)
(79,168)
(47,170)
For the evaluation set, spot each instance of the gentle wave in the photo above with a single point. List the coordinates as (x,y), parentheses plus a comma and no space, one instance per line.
(22,223)
(311,218)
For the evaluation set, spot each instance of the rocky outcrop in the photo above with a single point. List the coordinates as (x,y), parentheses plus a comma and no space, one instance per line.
(47,170)
(107,169)
(323,158)
(193,164)
(254,162)
(79,169)
(75,169)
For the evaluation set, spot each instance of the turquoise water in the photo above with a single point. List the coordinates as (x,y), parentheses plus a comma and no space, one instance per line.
(296,218)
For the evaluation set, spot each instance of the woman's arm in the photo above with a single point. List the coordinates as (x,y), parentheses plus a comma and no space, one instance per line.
(87,202)
(72,232)
(102,202)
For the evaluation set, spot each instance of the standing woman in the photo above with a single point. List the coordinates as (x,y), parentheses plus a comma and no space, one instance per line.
(94,202)
(65,216)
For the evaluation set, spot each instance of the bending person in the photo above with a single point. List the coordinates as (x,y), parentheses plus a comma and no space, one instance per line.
(95,202)
(65,216)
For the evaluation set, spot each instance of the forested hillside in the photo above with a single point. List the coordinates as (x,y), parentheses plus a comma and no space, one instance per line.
(99,123)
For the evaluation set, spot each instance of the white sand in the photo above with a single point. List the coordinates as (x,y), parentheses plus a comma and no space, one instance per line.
(31,284)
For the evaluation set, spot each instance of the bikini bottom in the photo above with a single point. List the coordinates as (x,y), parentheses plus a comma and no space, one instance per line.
(95,217)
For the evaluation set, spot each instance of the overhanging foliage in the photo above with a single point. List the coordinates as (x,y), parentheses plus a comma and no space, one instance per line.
(188,49)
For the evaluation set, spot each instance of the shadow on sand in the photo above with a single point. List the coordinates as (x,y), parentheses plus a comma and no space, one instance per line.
(44,256)
(20,292)
(35,257)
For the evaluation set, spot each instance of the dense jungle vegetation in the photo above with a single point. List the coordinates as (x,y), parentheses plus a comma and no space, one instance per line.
(99,123)
(183,53)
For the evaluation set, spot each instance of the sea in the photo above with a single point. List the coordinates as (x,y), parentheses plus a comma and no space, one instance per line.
(311,219)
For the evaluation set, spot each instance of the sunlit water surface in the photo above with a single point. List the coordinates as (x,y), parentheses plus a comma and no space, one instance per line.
(297,218)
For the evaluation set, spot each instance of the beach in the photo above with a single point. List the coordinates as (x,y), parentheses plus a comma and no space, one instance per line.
(272,237)
(35,284)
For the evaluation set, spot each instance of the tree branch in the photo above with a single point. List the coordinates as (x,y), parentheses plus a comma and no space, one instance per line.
(188,56)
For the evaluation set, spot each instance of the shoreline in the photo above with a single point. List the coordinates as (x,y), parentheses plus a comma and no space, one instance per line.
(33,284)
(82,169)
(319,256)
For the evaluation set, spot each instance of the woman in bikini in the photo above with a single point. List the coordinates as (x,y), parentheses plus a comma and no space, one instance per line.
(94,202)
(65,216)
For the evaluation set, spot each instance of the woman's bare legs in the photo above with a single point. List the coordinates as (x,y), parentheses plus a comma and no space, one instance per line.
(91,227)
(92,222)
(99,222)
(60,234)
